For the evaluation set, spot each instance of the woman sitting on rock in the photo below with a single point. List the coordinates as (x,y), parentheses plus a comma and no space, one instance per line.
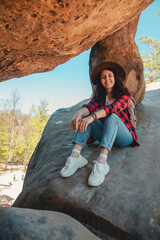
(106,117)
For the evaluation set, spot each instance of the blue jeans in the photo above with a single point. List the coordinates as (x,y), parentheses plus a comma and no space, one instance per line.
(112,131)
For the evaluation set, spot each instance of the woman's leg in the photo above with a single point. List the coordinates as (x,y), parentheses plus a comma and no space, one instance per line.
(79,140)
(76,161)
(97,133)
(114,132)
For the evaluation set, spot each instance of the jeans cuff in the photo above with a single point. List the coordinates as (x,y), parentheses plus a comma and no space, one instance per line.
(79,143)
(108,147)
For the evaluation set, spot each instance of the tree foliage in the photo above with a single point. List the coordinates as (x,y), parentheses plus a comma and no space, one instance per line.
(152,60)
(20,133)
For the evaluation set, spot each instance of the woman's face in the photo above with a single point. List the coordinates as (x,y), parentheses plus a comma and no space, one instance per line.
(107,80)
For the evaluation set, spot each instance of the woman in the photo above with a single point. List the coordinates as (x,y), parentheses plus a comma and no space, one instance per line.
(106,117)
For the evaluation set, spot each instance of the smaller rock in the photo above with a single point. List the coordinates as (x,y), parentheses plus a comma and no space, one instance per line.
(28,224)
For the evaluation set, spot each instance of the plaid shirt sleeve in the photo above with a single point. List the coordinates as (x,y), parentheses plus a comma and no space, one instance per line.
(92,105)
(118,105)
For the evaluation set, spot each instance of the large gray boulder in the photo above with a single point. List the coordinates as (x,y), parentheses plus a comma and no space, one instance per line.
(126,205)
(28,224)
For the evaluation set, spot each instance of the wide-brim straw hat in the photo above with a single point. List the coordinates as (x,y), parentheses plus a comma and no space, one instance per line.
(107,65)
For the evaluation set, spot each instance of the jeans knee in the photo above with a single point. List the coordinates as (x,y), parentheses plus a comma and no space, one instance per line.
(96,123)
(112,117)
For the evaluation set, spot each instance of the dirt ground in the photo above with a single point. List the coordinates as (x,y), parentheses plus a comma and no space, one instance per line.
(11,181)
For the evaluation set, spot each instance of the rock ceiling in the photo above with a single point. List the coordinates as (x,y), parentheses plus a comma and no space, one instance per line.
(36,36)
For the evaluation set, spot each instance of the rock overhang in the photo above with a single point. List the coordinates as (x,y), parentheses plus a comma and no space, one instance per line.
(38,36)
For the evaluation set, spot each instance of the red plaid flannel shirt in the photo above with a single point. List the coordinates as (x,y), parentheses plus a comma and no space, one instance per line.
(121,108)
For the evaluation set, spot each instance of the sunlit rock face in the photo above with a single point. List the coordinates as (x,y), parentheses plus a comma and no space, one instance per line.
(120,47)
(36,36)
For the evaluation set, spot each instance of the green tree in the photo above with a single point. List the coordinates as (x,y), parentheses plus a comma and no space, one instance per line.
(40,117)
(152,60)
(10,110)
(3,137)
(27,139)
(20,133)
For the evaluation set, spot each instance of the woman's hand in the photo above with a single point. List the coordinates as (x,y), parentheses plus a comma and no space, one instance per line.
(83,123)
(75,121)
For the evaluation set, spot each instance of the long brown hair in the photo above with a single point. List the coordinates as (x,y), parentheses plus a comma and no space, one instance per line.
(118,89)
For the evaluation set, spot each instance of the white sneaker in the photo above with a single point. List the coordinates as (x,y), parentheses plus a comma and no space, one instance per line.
(72,165)
(98,173)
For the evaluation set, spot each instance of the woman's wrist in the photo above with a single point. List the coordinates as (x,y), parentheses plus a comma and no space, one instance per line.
(94,116)
(79,114)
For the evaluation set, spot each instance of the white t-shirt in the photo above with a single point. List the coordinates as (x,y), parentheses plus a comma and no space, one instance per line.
(109,102)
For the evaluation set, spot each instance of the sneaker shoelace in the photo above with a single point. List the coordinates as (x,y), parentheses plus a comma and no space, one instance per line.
(97,167)
(68,163)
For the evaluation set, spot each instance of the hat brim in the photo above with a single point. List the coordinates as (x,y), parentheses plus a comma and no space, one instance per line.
(111,65)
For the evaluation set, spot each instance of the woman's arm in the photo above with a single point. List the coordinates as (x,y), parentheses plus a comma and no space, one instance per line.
(118,105)
(101,113)
(83,123)
(92,105)
(75,122)
(83,112)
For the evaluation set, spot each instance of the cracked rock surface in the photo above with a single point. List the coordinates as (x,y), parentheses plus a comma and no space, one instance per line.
(127,204)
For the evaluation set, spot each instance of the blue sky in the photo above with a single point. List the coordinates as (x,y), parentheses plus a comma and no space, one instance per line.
(69,83)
